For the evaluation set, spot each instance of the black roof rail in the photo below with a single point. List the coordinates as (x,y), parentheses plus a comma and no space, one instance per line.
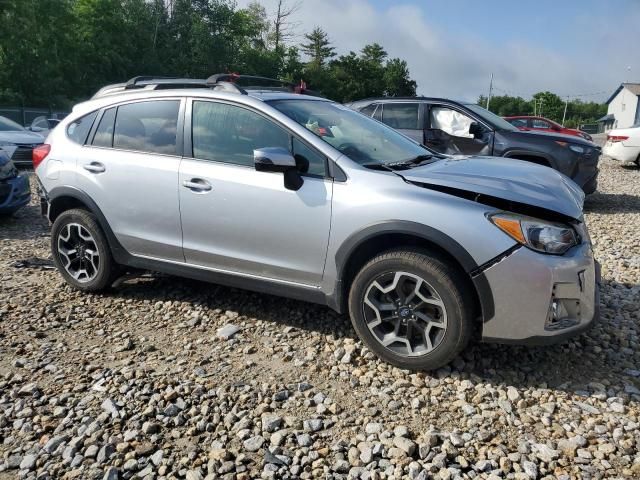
(133,82)
(241,83)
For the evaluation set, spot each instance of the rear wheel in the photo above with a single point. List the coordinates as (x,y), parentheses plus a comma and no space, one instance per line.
(81,252)
(412,309)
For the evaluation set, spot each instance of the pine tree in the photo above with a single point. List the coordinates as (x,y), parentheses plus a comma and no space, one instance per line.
(318,48)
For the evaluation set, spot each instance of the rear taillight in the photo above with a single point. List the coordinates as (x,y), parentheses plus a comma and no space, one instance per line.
(617,138)
(39,154)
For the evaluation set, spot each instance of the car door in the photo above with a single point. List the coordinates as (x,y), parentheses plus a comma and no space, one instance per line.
(244,221)
(129,167)
(404,117)
(449,130)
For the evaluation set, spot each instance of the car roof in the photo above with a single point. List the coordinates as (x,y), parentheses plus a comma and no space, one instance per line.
(252,97)
(405,99)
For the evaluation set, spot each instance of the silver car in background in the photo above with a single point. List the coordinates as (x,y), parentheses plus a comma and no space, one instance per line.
(295,195)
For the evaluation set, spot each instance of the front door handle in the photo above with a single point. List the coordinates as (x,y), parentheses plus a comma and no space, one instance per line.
(197,185)
(94,167)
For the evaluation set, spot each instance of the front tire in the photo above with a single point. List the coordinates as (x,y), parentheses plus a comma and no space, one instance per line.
(81,252)
(412,309)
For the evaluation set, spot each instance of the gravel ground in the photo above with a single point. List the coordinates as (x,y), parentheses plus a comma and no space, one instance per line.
(140,383)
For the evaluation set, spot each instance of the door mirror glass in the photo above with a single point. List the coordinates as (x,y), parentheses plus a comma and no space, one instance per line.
(475,129)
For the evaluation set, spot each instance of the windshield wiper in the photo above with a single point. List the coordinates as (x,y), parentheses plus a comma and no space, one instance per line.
(412,162)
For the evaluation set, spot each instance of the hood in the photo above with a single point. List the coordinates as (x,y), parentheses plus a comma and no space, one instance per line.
(553,136)
(521,184)
(22,137)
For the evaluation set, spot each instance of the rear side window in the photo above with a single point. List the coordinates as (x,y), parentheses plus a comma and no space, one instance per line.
(369,109)
(230,134)
(401,115)
(104,133)
(79,129)
(147,127)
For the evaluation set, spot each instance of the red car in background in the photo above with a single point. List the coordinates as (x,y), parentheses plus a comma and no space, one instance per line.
(542,124)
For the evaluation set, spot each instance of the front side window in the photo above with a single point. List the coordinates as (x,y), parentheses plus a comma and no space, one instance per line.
(228,133)
(518,122)
(450,121)
(401,115)
(104,133)
(147,127)
(7,125)
(78,130)
(358,137)
(537,123)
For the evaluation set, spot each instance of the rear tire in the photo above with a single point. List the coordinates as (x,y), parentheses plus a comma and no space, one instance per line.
(81,252)
(413,309)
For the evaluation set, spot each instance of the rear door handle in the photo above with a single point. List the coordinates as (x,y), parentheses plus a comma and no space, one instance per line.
(197,185)
(94,167)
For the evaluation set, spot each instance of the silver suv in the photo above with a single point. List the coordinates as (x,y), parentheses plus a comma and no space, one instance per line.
(298,196)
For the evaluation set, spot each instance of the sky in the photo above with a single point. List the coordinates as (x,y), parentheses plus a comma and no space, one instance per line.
(570,47)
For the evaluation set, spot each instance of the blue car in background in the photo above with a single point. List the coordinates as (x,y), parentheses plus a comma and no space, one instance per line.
(14,187)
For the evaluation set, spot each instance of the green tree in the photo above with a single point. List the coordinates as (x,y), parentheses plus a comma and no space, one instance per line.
(318,47)
(397,80)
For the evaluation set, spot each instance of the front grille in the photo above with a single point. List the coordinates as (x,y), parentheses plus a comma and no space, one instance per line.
(22,154)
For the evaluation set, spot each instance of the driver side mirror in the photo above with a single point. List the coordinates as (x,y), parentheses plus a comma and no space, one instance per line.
(476,129)
(278,159)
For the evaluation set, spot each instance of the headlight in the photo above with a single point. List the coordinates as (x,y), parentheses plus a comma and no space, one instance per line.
(538,235)
(580,149)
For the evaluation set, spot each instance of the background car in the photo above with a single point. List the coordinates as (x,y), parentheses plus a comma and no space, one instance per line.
(14,188)
(458,128)
(623,144)
(43,125)
(542,124)
(18,142)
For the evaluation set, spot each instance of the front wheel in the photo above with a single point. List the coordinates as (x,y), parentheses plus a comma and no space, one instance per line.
(412,309)
(81,252)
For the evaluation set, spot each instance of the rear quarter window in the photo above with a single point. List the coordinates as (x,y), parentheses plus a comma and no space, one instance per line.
(78,130)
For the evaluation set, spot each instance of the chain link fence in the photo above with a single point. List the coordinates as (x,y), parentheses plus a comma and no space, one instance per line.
(26,115)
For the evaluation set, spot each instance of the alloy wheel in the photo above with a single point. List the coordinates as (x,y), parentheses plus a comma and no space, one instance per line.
(405,314)
(78,252)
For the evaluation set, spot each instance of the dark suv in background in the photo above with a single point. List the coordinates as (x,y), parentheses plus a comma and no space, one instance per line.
(458,128)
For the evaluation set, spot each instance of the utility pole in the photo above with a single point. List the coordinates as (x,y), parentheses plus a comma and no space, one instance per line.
(564,115)
(490,90)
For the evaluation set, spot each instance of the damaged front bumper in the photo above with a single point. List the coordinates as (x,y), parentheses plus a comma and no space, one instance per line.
(541,299)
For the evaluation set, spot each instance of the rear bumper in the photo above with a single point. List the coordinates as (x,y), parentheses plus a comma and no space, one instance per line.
(618,151)
(14,194)
(543,299)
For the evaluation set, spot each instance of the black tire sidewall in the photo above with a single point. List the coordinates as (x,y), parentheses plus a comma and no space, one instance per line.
(444,279)
(105,267)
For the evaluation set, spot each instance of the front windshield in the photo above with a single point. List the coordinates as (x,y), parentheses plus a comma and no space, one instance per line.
(360,138)
(494,120)
(7,125)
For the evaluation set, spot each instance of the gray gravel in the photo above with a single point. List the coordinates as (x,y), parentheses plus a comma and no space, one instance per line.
(149,382)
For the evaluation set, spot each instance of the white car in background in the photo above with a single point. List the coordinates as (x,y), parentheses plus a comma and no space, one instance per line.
(623,144)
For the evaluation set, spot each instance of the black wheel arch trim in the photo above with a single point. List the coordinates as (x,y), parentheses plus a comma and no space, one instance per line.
(430,234)
(120,254)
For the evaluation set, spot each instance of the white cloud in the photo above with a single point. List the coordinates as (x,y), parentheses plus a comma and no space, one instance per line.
(453,63)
